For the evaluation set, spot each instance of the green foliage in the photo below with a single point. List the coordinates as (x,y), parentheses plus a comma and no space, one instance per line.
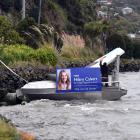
(92,29)
(25,24)
(120,40)
(56,16)
(7,33)
(13,53)
(13,37)
(7,132)
(5,25)
(72,53)
(18,53)
(128,47)
(136,50)
(115,40)
(123,25)
(35,36)
(78,12)
(46,56)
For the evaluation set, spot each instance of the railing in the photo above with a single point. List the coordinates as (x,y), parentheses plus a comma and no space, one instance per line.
(107,81)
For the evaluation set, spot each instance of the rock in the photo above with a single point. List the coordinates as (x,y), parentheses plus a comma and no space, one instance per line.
(3,93)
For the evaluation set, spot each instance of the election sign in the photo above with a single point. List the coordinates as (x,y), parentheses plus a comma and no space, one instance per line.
(78,80)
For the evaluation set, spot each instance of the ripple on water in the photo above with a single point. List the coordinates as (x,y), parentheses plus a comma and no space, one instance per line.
(82,120)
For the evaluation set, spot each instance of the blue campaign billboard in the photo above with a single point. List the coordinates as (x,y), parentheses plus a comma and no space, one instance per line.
(78,80)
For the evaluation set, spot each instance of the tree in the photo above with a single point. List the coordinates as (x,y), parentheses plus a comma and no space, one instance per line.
(136,50)
(8,34)
(115,40)
(91,31)
(96,29)
(120,40)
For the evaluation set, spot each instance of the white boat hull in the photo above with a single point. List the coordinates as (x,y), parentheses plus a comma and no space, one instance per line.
(49,92)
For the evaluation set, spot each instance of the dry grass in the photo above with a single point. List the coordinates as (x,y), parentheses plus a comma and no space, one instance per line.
(73,40)
(74,48)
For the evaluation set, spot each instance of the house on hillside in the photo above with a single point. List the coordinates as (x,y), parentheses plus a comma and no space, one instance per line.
(132,36)
(102,14)
(104,2)
(127,11)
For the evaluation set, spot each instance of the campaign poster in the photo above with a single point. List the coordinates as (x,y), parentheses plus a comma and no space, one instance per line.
(78,80)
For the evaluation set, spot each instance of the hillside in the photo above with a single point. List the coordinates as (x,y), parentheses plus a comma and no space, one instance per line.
(68,15)
(97,27)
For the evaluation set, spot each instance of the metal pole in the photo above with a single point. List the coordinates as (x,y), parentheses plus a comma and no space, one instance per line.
(115,76)
(23,9)
(117,67)
(39,13)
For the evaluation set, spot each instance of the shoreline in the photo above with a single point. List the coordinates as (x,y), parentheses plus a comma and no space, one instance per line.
(8,131)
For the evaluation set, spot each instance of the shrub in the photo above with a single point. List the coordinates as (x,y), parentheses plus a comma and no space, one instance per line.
(7,33)
(7,132)
(25,24)
(136,51)
(19,53)
(46,56)
(13,53)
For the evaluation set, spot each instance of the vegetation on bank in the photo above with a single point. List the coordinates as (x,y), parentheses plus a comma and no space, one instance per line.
(11,54)
(9,132)
(24,41)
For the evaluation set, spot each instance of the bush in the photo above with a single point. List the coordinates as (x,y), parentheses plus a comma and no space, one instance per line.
(46,56)
(7,33)
(18,53)
(7,131)
(72,53)
(136,51)
(14,53)
(25,24)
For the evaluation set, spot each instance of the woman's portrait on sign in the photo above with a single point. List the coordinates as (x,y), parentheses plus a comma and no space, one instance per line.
(64,79)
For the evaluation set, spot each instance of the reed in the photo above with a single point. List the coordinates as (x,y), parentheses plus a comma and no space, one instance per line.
(74,47)
(73,40)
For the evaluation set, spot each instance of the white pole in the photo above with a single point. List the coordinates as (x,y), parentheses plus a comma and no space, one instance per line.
(118,67)
(115,76)
(39,13)
(23,9)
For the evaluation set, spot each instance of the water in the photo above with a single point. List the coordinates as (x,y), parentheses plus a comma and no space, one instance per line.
(82,120)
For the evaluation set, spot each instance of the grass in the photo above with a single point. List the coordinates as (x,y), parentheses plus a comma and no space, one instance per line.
(22,53)
(8,132)
(74,47)
(73,40)
(75,51)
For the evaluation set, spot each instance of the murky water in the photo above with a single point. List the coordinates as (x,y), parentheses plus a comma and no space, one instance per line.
(82,120)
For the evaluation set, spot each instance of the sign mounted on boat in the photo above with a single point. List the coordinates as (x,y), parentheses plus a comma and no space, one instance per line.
(78,80)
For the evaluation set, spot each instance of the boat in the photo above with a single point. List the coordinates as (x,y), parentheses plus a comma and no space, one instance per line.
(47,89)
